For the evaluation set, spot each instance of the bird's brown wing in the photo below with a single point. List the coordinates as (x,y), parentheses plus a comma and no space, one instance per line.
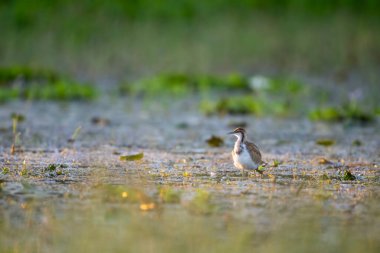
(254,152)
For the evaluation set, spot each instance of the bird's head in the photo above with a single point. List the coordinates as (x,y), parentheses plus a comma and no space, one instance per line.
(238,132)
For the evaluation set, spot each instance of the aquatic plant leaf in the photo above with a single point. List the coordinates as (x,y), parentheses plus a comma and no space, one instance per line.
(325,142)
(183,83)
(5,170)
(357,143)
(215,141)
(11,74)
(23,172)
(276,163)
(326,114)
(349,112)
(41,85)
(51,167)
(324,176)
(100,121)
(347,176)
(182,125)
(17,116)
(133,157)
(261,168)
(324,161)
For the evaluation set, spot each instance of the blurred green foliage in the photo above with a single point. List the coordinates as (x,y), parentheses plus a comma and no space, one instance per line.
(184,84)
(8,75)
(135,38)
(350,112)
(25,12)
(40,84)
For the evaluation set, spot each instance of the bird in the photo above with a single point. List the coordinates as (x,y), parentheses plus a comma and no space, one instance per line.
(246,155)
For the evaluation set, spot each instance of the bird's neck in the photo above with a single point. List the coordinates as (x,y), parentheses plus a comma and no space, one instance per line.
(239,143)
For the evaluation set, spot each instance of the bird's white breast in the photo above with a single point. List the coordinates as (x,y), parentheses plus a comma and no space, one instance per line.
(244,160)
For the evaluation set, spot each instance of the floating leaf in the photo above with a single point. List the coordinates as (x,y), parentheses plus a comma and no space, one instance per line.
(23,172)
(276,163)
(325,177)
(324,161)
(52,167)
(348,112)
(260,169)
(134,157)
(5,170)
(215,141)
(17,116)
(100,121)
(325,142)
(326,114)
(182,125)
(357,143)
(348,176)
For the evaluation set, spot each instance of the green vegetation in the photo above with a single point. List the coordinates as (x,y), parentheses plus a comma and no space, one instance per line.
(126,40)
(215,141)
(53,167)
(184,84)
(325,142)
(25,74)
(276,163)
(134,157)
(17,117)
(185,9)
(267,96)
(347,176)
(349,112)
(232,105)
(5,170)
(40,84)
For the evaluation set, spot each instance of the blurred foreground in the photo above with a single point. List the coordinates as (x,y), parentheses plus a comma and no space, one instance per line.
(113,119)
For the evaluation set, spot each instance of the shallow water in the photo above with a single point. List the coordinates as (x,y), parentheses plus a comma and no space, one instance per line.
(301,204)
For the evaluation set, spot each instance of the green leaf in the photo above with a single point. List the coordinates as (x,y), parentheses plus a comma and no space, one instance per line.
(325,142)
(348,176)
(134,157)
(215,141)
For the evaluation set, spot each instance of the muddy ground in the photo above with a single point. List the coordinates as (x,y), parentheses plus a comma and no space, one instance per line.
(303,189)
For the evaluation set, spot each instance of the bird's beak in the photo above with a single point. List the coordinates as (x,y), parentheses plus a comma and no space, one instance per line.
(230,132)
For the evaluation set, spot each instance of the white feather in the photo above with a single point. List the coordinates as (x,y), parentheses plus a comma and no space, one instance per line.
(244,160)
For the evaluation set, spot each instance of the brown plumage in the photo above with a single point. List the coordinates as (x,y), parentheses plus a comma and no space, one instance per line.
(254,152)
(246,154)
